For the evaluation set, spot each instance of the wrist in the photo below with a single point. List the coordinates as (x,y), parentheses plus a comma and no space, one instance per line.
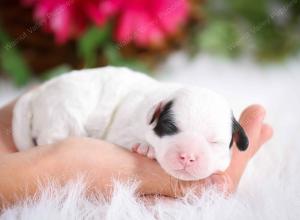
(22,173)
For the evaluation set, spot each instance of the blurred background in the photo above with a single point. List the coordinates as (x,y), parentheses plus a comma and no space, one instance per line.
(40,39)
(248,50)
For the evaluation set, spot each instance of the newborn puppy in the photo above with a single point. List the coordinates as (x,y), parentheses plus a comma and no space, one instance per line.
(188,130)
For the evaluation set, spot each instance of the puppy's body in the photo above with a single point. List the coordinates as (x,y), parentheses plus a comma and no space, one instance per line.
(89,103)
(165,121)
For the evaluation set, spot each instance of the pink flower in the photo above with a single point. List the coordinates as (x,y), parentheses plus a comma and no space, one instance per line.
(68,18)
(143,22)
(147,22)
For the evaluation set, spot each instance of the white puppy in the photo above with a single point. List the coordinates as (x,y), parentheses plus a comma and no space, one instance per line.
(188,130)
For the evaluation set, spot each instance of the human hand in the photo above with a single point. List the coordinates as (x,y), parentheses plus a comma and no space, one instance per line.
(102,162)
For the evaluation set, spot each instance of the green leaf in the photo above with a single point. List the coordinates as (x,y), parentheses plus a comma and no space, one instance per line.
(12,62)
(255,11)
(267,29)
(219,37)
(14,65)
(4,39)
(91,41)
(112,54)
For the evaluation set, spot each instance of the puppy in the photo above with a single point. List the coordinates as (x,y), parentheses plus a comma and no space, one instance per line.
(188,130)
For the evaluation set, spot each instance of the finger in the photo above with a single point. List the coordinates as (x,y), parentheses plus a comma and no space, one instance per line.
(253,111)
(265,134)
(251,120)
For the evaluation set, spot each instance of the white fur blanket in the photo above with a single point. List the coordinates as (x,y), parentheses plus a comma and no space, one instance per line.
(270,188)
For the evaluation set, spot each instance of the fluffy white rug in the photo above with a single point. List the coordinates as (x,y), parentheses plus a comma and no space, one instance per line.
(270,188)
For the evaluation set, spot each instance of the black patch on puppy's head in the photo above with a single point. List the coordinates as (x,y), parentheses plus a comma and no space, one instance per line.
(164,118)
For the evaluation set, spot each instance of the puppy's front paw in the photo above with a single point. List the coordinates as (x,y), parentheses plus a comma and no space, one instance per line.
(144,149)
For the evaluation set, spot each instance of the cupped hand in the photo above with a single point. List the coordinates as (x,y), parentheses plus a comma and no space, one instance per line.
(102,162)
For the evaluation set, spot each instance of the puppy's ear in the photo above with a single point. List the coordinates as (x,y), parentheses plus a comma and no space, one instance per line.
(239,136)
(154,114)
(162,119)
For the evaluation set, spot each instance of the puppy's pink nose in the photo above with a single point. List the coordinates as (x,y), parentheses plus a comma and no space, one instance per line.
(187,159)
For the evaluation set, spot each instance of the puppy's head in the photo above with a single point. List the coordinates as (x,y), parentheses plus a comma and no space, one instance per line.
(192,132)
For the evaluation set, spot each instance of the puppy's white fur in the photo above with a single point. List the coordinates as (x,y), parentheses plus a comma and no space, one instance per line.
(116,104)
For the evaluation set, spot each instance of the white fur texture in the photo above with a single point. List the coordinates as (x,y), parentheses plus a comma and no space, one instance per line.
(270,188)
